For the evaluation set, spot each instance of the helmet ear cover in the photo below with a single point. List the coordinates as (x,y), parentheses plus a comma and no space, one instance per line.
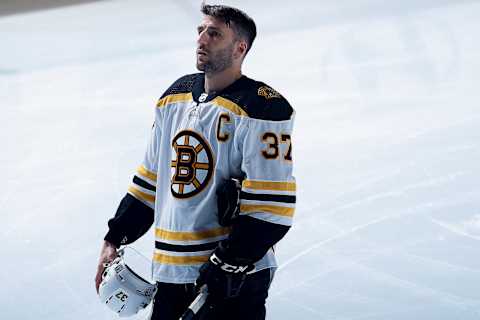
(124,291)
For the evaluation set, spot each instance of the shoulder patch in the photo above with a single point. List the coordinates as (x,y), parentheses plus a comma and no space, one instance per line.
(268,93)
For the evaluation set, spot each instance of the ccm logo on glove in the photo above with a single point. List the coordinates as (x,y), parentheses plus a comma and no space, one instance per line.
(228,267)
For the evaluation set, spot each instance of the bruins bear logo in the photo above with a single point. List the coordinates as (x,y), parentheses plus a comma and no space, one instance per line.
(268,93)
(192,164)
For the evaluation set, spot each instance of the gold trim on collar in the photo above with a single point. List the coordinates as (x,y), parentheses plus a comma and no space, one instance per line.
(230,105)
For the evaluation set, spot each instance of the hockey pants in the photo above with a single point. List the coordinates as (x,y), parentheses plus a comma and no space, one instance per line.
(172,300)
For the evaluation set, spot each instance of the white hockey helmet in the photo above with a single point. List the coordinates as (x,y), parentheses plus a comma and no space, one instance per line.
(124,291)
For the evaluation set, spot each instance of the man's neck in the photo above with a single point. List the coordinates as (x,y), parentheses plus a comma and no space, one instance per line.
(221,80)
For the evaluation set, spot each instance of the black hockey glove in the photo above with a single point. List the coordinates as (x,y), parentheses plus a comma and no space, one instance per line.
(224,277)
(228,201)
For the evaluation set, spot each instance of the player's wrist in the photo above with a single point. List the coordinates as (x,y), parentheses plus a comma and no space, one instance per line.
(110,245)
(113,239)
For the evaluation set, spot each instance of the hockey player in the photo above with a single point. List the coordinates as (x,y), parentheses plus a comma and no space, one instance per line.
(210,127)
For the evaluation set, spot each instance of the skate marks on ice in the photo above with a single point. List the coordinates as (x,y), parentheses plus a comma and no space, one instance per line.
(444,190)
(380,241)
(458,230)
(359,281)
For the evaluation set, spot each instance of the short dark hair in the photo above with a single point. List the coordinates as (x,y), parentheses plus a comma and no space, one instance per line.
(239,21)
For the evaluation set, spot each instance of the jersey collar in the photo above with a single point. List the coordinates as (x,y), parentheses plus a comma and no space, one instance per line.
(200,96)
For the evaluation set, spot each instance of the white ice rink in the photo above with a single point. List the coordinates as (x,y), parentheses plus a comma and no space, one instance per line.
(387,149)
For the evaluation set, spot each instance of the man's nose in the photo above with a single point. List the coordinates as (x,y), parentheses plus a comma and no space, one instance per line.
(202,38)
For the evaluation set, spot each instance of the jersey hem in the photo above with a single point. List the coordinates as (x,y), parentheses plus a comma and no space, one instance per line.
(192,280)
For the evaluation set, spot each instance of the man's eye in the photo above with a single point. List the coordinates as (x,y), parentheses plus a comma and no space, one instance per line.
(214,34)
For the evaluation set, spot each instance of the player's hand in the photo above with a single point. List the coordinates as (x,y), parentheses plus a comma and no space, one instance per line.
(224,277)
(107,255)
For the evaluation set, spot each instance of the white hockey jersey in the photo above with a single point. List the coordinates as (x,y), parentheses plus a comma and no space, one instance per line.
(198,141)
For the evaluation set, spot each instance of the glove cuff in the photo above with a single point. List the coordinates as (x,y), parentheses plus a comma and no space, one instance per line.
(222,260)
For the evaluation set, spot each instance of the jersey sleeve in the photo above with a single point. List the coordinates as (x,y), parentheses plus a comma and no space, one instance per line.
(135,214)
(268,190)
(267,197)
(143,186)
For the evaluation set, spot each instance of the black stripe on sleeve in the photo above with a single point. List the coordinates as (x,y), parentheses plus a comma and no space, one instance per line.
(186,248)
(267,197)
(142,183)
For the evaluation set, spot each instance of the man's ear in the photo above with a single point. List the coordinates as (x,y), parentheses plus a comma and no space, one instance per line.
(241,49)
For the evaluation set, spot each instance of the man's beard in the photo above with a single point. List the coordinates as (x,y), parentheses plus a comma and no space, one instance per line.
(217,62)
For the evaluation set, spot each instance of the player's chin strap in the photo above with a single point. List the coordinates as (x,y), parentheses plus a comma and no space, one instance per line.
(196,305)
(121,253)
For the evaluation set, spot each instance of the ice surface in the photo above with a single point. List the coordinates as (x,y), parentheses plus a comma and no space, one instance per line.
(386,145)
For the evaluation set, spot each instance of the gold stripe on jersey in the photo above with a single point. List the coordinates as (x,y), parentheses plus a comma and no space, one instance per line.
(276,210)
(230,105)
(144,172)
(179,260)
(173,98)
(192,236)
(269,185)
(140,195)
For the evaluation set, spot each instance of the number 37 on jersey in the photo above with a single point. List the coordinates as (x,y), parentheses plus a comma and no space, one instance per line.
(275,146)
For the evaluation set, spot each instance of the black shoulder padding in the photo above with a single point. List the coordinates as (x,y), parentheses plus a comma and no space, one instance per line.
(259,100)
(182,85)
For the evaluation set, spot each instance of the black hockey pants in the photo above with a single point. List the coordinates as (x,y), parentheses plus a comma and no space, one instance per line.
(172,300)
